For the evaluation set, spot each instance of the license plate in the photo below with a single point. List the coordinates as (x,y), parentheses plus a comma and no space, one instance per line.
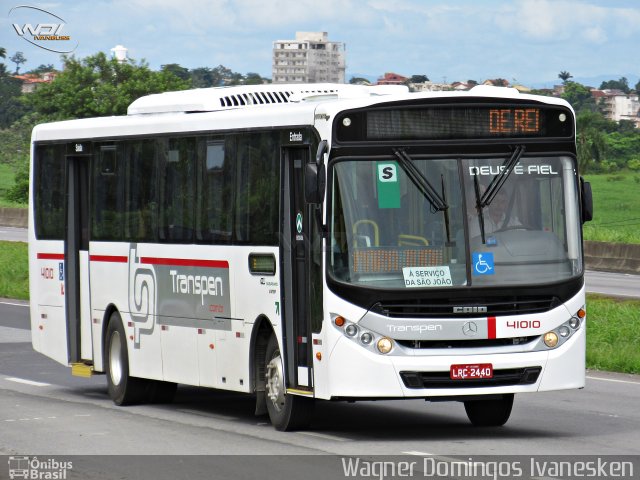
(471,372)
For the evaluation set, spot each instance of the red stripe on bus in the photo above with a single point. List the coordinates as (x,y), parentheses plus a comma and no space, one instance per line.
(185,262)
(109,258)
(491,327)
(51,256)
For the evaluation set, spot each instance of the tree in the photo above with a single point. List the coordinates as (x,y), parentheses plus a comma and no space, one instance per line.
(564,76)
(18,59)
(418,79)
(578,96)
(11,108)
(472,83)
(42,68)
(591,145)
(620,84)
(637,87)
(359,81)
(252,78)
(3,52)
(177,70)
(98,86)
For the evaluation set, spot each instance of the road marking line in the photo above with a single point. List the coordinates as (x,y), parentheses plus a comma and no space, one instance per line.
(419,454)
(28,382)
(612,380)
(15,304)
(324,436)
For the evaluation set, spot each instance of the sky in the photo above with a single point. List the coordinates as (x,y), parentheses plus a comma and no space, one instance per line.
(524,41)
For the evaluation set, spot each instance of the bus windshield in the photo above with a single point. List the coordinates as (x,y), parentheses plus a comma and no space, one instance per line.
(428,224)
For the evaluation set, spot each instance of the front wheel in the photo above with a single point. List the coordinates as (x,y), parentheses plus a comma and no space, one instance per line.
(123,389)
(286,412)
(489,413)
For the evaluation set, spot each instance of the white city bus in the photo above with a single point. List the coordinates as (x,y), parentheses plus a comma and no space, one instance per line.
(314,242)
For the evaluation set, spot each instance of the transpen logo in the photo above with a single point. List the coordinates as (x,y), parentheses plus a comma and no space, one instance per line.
(48,34)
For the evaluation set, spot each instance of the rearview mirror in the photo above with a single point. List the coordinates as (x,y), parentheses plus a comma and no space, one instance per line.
(586,205)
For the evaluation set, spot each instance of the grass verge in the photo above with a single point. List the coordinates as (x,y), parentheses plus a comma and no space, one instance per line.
(616,206)
(613,334)
(14,270)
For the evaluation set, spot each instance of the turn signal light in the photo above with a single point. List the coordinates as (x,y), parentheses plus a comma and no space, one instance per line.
(339,321)
(582,313)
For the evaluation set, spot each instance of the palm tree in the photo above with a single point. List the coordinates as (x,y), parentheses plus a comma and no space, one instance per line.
(564,76)
(3,52)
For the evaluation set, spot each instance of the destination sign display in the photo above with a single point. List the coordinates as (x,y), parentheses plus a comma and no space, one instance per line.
(455,122)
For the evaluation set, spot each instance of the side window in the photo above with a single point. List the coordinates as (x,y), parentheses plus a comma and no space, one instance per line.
(49,192)
(107,220)
(258,189)
(142,204)
(217,190)
(177,189)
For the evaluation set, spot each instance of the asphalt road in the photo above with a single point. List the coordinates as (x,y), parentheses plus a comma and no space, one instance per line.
(46,411)
(12,234)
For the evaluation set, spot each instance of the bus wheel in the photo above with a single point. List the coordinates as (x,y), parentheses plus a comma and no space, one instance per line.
(123,389)
(489,413)
(286,412)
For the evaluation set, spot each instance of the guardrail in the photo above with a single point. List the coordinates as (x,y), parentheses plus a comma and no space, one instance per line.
(612,257)
(14,217)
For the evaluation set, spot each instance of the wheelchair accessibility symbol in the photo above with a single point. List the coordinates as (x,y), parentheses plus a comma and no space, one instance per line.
(483,264)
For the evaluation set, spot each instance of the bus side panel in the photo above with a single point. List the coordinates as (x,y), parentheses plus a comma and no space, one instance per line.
(46,282)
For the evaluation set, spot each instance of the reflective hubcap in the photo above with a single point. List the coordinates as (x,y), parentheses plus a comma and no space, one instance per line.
(275,383)
(115,362)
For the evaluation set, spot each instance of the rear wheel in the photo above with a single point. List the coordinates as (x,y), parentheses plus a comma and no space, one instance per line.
(286,412)
(489,413)
(123,389)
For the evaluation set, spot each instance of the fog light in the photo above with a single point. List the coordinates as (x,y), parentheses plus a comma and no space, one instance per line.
(366,338)
(385,345)
(574,322)
(551,339)
(351,330)
(564,331)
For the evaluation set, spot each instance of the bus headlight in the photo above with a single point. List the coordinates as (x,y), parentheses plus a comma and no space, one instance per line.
(351,330)
(564,331)
(574,322)
(366,338)
(385,345)
(551,339)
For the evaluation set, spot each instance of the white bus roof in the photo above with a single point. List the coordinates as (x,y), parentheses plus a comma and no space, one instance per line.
(226,108)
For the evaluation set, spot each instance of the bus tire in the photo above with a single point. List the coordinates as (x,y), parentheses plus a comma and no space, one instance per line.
(286,412)
(489,413)
(123,388)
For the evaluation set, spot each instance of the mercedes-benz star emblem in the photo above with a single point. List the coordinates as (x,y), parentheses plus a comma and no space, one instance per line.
(470,329)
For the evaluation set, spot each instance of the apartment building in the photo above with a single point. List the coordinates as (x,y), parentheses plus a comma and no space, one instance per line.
(310,58)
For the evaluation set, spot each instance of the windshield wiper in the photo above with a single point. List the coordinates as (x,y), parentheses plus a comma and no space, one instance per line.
(438,202)
(500,179)
(495,186)
(420,181)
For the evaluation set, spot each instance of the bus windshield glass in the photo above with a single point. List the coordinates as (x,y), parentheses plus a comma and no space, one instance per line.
(428,225)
